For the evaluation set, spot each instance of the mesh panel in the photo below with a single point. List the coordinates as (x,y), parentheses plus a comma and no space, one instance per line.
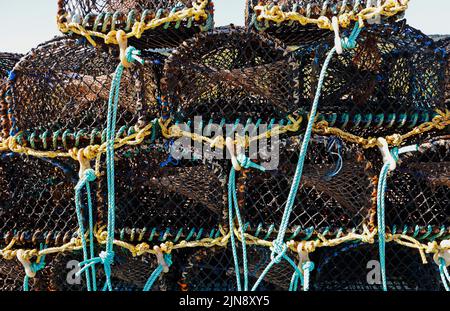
(153,195)
(324,201)
(392,64)
(213,270)
(35,198)
(418,192)
(7,62)
(64,86)
(355,267)
(230,74)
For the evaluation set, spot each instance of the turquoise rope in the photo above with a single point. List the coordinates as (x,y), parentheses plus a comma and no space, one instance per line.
(307,268)
(107,257)
(278,244)
(381,217)
(245,162)
(156,273)
(231,207)
(88,176)
(381,222)
(444,274)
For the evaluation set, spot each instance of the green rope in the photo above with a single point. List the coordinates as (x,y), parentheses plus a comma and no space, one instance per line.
(381,218)
(83,182)
(154,276)
(244,162)
(279,247)
(107,257)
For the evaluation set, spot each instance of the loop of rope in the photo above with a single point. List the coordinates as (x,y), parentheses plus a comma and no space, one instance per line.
(34,267)
(87,176)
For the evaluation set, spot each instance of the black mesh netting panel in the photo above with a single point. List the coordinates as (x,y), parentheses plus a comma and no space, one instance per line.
(36,204)
(155,195)
(64,86)
(293,32)
(7,62)
(355,267)
(394,69)
(418,192)
(104,16)
(230,73)
(332,196)
(213,270)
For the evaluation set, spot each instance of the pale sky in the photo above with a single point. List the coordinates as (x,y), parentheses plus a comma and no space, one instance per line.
(26,23)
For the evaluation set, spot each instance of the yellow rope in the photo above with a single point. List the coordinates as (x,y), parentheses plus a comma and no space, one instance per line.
(440,122)
(277,15)
(197,11)
(91,152)
(367,237)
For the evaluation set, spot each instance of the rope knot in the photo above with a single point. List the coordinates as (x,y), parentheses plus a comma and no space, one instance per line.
(308,266)
(164,260)
(141,249)
(245,162)
(348,43)
(107,258)
(443,255)
(278,251)
(90,175)
(132,54)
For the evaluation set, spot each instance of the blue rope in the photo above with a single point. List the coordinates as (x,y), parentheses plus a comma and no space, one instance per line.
(279,245)
(381,217)
(107,257)
(156,273)
(233,205)
(307,267)
(88,176)
(381,222)
(444,274)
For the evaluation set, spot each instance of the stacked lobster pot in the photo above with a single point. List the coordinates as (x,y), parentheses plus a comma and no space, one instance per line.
(146,149)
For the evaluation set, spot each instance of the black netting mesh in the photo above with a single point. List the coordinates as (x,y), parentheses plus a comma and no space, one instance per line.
(104,16)
(392,64)
(154,195)
(7,62)
(35,198)
(57,100)
(213,270)
(356,267)
(419,191)
(330,197)
(64,86)
(230,74)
